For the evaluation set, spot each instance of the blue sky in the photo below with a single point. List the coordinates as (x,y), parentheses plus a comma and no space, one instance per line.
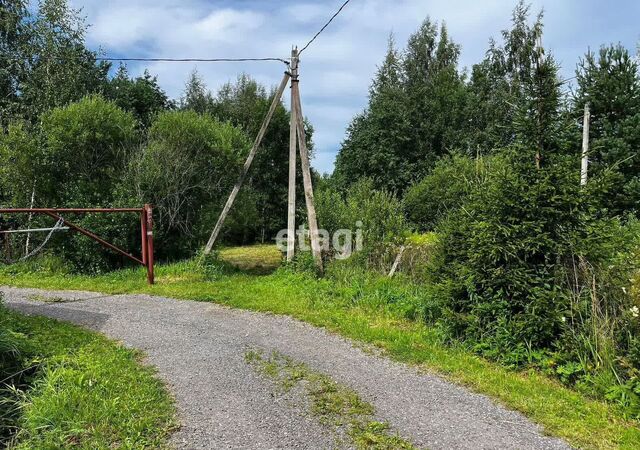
(337,69)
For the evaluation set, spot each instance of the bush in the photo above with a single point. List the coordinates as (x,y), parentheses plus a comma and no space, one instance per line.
(530,274)
(186,168)
(377,215)
(502,256)
(442,191)
(86,147)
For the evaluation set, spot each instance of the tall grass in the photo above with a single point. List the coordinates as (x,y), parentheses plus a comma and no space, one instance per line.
(64,387)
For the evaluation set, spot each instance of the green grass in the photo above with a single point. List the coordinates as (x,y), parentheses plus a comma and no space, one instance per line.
(258,259)
(86,391)
(371,310)
(335,405)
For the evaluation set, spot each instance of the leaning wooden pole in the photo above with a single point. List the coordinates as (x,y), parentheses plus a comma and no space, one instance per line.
(306,177)
(247,164)
(293,139)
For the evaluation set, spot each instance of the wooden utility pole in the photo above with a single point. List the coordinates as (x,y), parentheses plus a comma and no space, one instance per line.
(293,139)
(585,145)
(306,176)
(247,164)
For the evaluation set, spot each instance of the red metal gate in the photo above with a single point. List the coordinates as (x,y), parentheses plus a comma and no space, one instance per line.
(146,224)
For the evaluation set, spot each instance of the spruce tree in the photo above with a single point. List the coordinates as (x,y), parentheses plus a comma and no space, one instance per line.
(514,94)
(610,82)
(378,140)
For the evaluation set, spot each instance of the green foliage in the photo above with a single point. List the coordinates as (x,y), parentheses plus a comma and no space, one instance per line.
(85,146)
(21,160)
(377,144)
(500,256)
(50,65)
(391,142)
(245,104)
(196,96)
(188,164)
(528,273)
(377,213)
(14,33)
(444,190)
(610,82)
(514,94)
(141,96)
(261,209)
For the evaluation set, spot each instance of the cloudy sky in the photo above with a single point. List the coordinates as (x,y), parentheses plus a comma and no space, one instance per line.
(337,69)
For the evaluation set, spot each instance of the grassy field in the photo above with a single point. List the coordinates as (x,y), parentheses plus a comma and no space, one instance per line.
(85,391)
(373,310)
(257,259)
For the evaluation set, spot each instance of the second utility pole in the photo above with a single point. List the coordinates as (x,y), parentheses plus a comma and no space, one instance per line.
(296,105)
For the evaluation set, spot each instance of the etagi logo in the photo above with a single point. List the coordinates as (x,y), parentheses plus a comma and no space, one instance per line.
(342,244)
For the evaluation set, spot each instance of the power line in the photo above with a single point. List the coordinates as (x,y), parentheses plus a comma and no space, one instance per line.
(176,60)
(324,27)
(192,59)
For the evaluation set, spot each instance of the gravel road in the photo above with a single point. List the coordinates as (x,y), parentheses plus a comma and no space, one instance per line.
(199,351)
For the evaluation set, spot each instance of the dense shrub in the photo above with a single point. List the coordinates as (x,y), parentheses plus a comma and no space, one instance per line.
(528,274)
(503,255)
(75,158)
(84,143)
(376,216)
(445,189)
(185,170)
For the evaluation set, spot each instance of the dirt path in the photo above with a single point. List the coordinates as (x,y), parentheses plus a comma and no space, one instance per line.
(199,350)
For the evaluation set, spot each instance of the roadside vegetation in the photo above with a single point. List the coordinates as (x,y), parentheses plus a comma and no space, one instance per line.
(374,310)
(65,387)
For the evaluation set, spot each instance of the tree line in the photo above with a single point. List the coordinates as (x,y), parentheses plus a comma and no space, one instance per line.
(529,267)
(79,132)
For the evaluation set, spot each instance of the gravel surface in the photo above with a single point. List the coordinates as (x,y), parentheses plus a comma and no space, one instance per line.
(199,351)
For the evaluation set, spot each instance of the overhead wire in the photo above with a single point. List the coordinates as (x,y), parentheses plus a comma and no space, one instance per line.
(176,60)
(324,27)
(192,59)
